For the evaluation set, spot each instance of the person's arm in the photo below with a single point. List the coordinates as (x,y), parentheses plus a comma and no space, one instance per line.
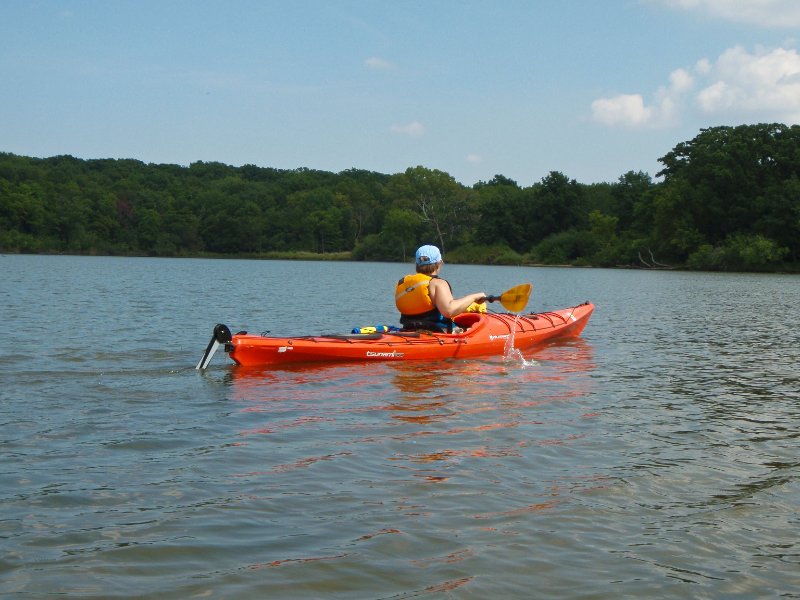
(442,298)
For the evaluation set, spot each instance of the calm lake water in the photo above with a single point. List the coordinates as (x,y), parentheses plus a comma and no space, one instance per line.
(656,456)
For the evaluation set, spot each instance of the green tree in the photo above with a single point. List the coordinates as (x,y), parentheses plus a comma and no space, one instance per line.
(633,189)
(439,200)
(501,214)
(603,229)
(738,180)
(556,207)
(400,229)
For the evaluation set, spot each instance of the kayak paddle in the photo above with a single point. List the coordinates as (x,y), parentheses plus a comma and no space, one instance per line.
(514,300)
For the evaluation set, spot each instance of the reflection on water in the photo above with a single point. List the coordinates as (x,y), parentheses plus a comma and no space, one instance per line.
(420,456)
(655,456)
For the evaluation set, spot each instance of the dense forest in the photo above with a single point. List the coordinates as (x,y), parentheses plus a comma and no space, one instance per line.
(729,199)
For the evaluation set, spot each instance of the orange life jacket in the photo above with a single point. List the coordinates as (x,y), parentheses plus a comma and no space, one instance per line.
(417,310)
(411,295)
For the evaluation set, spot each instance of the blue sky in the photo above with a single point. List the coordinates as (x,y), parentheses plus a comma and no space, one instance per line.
(591,88)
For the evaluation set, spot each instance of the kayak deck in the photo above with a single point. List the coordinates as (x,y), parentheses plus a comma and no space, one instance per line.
(483,334)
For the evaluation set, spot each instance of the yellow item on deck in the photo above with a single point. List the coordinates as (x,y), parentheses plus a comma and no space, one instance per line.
(477,307)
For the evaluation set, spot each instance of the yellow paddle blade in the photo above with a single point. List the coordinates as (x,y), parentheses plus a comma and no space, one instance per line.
(516,299)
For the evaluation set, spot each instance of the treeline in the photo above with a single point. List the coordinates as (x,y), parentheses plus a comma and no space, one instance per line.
(729,200)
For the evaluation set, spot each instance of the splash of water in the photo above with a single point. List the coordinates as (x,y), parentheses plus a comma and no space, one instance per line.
(512,354)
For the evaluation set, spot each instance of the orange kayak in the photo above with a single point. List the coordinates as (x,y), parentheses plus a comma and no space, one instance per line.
(483,334)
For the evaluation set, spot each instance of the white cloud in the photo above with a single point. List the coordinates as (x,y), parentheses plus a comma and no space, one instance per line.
(474,158)
(764,13)
(680,80)
(702,66)
(379,64)
(716,97)
(762,82)
(630,110)
(413,129)
(625,109)
(763,85)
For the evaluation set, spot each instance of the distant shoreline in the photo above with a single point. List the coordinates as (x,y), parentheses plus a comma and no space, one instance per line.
(347,257)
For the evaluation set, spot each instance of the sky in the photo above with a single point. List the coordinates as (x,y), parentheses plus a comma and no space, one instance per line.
(592,89)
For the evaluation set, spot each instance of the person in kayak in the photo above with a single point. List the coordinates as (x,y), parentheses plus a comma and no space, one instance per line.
(425,300)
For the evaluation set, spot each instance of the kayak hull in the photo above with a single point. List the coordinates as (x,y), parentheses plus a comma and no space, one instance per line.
(484,334)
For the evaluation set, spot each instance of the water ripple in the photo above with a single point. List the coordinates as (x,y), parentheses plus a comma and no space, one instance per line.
(653,457)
